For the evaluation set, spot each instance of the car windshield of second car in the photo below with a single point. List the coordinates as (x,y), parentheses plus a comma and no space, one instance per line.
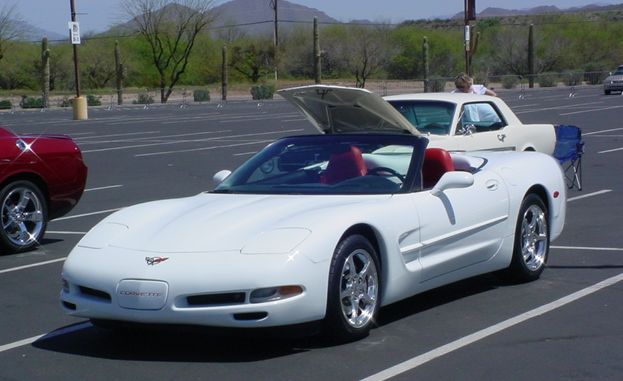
(429,117)
(329,164)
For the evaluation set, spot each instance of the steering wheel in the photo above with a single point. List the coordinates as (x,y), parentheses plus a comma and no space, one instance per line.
(387,172)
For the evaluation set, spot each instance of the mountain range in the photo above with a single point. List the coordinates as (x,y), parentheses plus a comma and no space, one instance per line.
(255,17)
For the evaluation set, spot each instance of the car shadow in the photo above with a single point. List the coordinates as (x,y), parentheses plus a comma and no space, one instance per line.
(194,344)
(440,296)
(187,345)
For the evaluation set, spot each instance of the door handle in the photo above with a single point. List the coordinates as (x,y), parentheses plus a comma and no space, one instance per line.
(501,137)
(491,185)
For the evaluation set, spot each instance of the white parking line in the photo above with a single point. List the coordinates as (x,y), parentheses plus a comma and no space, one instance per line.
(64,232)
(489,331)
(102,188)
(86,214)
(32,265)
(117,135)
(589,195)
(611,150)
(593,110)
(58,332)
(203,148)
(602,131)
(587,248)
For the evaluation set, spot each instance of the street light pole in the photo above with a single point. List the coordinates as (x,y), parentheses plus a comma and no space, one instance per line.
(72,4)
(79,103)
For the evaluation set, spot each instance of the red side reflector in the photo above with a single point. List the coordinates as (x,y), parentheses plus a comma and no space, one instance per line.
(556,194)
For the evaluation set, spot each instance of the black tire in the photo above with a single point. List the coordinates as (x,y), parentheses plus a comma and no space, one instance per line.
(607,92)
(354,284)
(531,246)
(23,218)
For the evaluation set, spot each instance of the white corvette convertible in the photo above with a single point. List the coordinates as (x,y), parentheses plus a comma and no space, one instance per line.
(320,228)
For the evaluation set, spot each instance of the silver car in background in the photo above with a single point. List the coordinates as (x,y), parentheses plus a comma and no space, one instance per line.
(614,81)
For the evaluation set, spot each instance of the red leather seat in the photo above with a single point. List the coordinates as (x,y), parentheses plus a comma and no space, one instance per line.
(344,165)
(437,161)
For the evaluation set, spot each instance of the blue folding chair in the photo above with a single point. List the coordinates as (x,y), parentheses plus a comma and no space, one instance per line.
(568,151)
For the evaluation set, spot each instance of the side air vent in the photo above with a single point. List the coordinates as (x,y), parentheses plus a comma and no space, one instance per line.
(97,294)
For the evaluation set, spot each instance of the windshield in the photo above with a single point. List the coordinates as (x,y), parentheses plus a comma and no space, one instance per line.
(331,164)
(431,117)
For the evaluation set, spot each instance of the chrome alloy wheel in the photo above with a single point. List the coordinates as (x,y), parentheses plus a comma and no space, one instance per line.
(534,237)
(359,288)
(22,216)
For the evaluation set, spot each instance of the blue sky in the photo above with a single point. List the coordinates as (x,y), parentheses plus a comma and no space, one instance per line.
(97,15)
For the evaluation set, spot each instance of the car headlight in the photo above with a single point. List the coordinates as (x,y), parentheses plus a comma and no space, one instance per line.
(277,241)
(102,234)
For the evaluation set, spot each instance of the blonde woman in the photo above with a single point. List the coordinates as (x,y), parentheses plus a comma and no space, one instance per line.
(465,84)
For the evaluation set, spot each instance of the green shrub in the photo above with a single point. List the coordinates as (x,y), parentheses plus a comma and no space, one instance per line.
(201,95)
(5,104)
(572,78)
(262,91)
(510,81)
(143,99)
(93,100)
(594,73)
(437,84)
(548,80)
(65,102)
(31,102)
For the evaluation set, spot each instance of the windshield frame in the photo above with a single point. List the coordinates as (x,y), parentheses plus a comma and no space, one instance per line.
(238,182)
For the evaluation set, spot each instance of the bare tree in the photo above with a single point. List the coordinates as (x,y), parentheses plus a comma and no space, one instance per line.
(9,26)
(364,50)
(170,27)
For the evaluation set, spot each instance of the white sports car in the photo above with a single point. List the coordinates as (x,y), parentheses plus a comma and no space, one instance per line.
(322,228)
(454,121)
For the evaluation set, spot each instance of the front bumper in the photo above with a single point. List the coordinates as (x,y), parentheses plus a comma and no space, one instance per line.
(613,86)
(209,289)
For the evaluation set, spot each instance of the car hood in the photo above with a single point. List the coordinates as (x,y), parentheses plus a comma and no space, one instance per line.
(614,78)
(213,222)
(336,109)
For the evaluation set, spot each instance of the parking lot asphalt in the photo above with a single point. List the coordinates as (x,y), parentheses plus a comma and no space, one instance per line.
(565,326)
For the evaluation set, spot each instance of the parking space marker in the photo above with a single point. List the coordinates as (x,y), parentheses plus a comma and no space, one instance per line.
(587,248)
(86,214)
(64,232)
(611,150)
(600,132)
(102,188)
(589,195)
(32,265)
(489,331)
(58,332)
(592,110)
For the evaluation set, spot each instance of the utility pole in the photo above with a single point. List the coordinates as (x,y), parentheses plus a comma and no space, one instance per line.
(273,4)
(79,103)
(470,14)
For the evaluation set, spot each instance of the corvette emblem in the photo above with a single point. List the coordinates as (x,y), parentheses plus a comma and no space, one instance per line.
(155,260)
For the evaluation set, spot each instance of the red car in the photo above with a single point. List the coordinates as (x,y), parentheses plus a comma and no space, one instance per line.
(41,178)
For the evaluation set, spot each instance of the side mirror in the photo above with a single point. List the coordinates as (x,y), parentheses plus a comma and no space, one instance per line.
(220,176)
(452,180)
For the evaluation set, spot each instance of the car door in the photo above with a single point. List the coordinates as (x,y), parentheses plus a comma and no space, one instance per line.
(482,127)
(461,227)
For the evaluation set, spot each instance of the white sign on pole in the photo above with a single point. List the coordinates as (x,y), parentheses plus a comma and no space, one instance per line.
(74,32)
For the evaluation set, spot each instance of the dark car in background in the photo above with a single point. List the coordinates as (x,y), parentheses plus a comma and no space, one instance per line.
(42,177)
(614,81)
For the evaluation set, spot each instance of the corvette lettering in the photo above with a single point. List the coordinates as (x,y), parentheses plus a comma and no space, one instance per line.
(155,260)
(146,294)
